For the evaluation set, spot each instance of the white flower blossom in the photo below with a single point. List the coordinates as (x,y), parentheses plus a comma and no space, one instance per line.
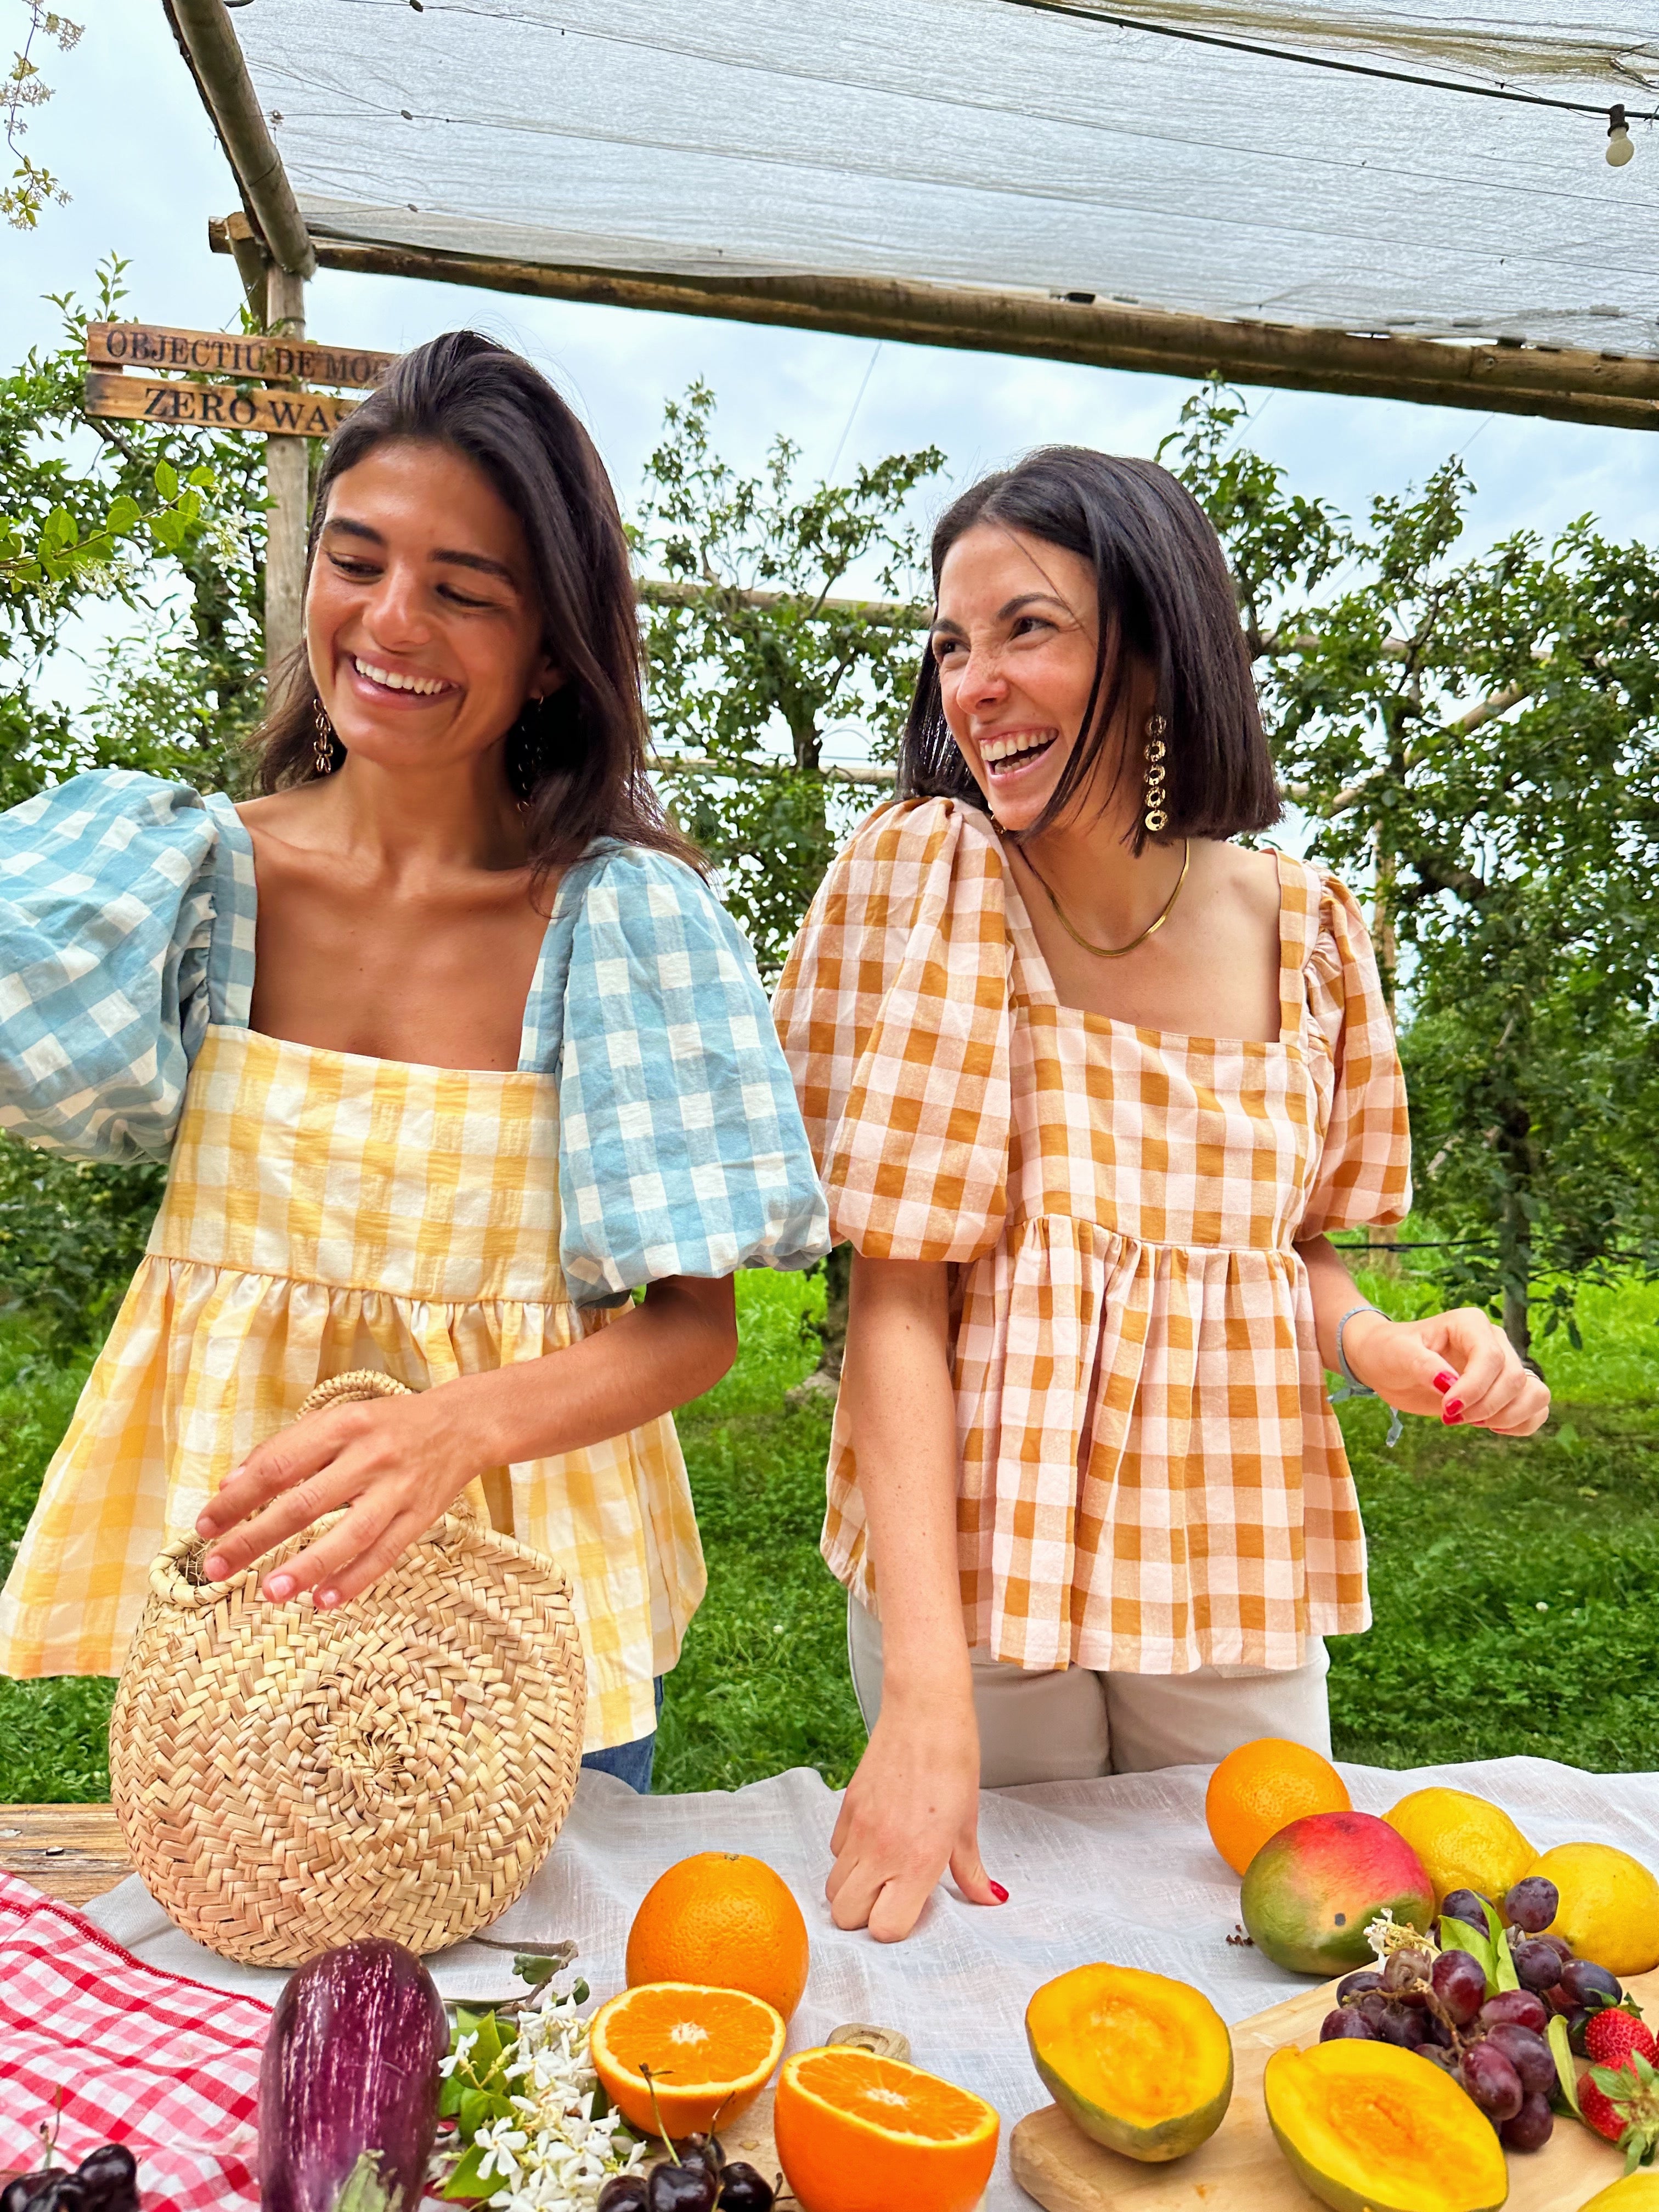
(552,2155)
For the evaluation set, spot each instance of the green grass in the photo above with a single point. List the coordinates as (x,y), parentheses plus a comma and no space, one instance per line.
(1516,1585)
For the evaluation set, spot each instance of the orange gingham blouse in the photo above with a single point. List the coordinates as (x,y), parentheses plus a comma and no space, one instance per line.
(1152,1479)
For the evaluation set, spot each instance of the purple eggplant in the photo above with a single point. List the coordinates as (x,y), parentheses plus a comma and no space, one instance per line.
(348,2083)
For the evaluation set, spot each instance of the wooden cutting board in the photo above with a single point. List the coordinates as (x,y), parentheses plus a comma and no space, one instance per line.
(1241,2168)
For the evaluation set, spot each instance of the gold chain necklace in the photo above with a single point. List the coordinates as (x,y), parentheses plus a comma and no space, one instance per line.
(1115,951)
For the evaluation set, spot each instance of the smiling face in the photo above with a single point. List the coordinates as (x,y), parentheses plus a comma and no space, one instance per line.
(1016,637)
(421,622)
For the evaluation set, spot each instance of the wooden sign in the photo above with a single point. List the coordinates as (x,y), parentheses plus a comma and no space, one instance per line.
(215,406)
(217,353)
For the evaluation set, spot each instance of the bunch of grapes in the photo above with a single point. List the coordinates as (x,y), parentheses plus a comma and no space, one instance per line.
(106,2180)
(1497,2047)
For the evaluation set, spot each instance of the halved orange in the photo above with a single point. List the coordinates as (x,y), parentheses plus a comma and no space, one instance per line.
(856,2133)
(704,2050)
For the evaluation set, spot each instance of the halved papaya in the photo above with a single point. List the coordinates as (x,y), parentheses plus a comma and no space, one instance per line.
(1142,2063)
(1371,2127)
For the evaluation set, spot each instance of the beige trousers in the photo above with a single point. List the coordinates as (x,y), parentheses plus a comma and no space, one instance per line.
(1075,1724)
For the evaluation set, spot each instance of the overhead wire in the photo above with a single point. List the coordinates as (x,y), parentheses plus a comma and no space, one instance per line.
(1087,13)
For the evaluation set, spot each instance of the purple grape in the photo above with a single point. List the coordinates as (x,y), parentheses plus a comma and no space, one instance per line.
(1463,1905)
(1576,2023)
(1405,2026)
(1531,1904)
(1530,2056)
(1582,1976)
(1560,1945)
(1531,2128)
(1345,2020)
(1459,1984)
(1538,1966)
(1356,1984)
(1438,2031)
(681,2189)
(1492,2081)
(1522,2008)
(1374,2009)
(1404,1969)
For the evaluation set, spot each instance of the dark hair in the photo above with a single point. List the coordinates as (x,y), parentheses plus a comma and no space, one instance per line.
(577,759)
(1165,601)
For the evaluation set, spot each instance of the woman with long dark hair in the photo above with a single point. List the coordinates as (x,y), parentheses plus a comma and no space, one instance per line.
(452,1051)
(1090,1085)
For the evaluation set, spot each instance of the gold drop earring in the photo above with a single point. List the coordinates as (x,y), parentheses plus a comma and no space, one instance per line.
(1153,787)
(322,752)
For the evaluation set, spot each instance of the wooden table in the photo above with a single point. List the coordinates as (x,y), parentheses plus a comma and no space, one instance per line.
(72,1852)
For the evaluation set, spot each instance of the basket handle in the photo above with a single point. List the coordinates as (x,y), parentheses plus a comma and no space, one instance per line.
(360,1383)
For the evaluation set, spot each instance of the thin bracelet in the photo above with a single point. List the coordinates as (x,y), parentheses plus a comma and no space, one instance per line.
(1355,1388)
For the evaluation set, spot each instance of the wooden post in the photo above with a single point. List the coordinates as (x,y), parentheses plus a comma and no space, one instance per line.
(287,461)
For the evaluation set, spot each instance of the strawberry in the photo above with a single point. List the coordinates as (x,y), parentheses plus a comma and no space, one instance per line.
(1611,2036)
(1622,2103)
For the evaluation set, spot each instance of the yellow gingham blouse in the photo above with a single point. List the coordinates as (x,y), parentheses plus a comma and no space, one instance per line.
(1151,1478)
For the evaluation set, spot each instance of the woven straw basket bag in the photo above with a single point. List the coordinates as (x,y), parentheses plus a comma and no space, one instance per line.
(288,1779)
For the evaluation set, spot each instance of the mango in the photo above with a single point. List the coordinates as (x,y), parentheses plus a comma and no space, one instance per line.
(1312,1890)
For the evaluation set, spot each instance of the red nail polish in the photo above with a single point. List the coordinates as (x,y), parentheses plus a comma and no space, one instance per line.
(999,1893)
(1450,1418)
(1454,1407)
(1443,1381)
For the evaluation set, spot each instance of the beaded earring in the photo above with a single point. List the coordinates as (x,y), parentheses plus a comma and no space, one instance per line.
(1153,789)
(322,750)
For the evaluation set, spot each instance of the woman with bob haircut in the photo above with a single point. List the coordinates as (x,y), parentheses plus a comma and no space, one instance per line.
(451,1050)
(1090,1085)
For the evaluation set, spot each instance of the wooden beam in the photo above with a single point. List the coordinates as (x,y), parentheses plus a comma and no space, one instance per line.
(1570,384)
(881,614)
(288,484)
(184,406)
(208,41)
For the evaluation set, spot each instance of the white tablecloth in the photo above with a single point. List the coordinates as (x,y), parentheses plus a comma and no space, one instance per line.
(1119,1869)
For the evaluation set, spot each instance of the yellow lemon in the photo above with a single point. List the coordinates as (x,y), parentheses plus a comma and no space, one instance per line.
(1609,1905)
(1463,1842)
(1636,2192)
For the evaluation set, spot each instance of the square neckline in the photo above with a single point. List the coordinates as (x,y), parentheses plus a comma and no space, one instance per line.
(528,1026)
(1029,953)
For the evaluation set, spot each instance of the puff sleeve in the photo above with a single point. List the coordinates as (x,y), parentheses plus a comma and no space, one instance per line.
(1365,1167)
(894,1013)
(681,1150)
(126,926)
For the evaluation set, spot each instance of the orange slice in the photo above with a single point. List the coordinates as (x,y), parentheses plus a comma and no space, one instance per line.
(856,2133)
(706,2052)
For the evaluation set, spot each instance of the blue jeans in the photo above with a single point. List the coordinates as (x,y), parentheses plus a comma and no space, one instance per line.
(629,1762)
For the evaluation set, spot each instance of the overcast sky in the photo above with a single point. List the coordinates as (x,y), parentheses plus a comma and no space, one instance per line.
(127,134)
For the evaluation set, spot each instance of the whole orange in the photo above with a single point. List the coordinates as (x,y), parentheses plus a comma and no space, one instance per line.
(1261,1788)
(724,1919)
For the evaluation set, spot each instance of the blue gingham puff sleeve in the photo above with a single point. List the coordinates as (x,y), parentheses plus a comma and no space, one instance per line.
(681,1147)
(126,926)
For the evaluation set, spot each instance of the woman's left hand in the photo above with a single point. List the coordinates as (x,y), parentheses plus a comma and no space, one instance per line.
(397,1464)
(1459,1365)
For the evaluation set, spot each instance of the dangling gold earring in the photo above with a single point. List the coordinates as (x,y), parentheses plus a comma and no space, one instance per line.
(1155,817)
(322,752)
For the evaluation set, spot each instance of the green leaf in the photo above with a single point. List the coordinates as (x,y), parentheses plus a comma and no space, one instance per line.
(364,2190)
(123,516)
(1458,1935)
(168,530)
(535,1971)
(1503,1966)
(203,478)
(167,480)
(467,2180)
(1565,2072)
(449,2096)
(58,528)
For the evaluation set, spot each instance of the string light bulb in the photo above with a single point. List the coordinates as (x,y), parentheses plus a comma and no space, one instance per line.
(1620,148)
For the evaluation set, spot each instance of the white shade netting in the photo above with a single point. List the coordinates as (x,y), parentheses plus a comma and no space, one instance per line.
(987,143)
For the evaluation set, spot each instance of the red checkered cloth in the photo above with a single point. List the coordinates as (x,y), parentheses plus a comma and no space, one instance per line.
(117,2052)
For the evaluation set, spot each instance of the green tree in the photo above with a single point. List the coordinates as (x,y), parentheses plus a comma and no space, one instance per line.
(1479,737)
(751,657)
(94,517)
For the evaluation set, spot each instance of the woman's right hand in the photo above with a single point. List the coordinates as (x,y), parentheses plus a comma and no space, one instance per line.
(910,1811)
